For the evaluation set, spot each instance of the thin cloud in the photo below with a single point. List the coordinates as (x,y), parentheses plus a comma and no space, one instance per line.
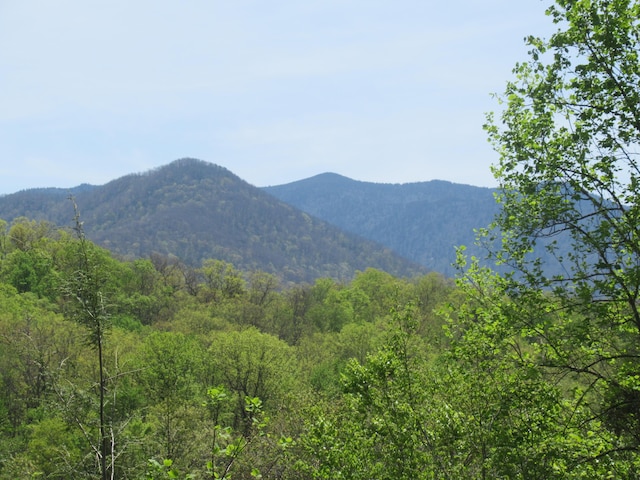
(380,89)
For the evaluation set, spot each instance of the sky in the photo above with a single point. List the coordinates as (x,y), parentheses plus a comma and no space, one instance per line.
(388,91)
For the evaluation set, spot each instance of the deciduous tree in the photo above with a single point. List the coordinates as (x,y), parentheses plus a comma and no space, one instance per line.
(568,139)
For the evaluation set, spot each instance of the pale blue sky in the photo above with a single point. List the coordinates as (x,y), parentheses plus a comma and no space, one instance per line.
(275,91)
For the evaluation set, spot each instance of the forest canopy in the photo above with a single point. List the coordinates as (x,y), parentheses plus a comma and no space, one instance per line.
(149,368)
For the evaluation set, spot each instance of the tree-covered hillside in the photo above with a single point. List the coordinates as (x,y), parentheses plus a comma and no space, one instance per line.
(150,368)
(422,221)
(143,368)
(197,210)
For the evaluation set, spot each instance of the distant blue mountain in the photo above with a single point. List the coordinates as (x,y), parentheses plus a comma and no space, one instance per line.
(422,221)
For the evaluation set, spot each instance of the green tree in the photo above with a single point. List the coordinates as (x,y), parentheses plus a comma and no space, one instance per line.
(478,412)
(257,309)
(292,324)
(35,347)
(89,307)
(32,271)
(568,140)
(331,308)
(380,426)
(4,238)
(170,364)
(25,234)
(252,364)
(29,251)
(222,281)
(145,297)
(382,290)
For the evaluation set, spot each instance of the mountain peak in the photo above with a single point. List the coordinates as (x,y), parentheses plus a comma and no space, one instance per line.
(331,176)
(192,167)
(322,179)
(198,210)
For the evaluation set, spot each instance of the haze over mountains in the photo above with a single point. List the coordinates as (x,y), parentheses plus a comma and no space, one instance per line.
(422,221)
(196,210)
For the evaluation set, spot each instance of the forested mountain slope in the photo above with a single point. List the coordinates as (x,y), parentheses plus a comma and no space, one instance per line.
(422,221)
(197,210)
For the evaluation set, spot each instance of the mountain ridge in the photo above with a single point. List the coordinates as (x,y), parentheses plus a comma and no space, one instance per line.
(422,221)
(197,210)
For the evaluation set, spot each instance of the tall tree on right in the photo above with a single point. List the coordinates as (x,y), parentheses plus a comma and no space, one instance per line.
(568,137)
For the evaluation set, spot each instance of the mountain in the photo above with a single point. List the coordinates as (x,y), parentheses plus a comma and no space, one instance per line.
(197,210)
(422,221)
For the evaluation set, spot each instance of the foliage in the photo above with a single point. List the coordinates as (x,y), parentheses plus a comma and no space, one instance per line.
(251,364)
(88,306)
(150,368)
(568,141)
(471,413)
(330,380)
(196,211)
(422,221)
(271,354)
